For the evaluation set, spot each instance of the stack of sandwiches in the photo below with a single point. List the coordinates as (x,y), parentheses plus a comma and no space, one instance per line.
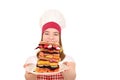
(48,57)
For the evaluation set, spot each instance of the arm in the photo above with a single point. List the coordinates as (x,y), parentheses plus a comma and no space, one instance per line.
(29,76)
(30,61)
(69,74)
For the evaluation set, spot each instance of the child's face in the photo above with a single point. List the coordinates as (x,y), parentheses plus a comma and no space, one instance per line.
(51,35)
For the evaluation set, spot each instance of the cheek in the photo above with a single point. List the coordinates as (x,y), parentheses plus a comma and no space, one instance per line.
(57,39)
(44,38)
(47,38)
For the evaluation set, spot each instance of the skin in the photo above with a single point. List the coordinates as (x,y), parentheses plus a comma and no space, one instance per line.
(52,35)
(69,74)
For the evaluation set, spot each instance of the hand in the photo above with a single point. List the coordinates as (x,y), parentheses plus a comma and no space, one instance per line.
(70,73)
(28,75)
(28,65)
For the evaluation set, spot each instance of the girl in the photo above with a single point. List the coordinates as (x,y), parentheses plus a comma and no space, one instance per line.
(51,23)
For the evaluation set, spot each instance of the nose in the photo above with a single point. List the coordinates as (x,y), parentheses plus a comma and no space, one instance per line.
(51,39)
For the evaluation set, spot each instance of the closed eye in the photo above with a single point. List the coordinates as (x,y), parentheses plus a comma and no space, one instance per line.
(46,33)
(56,33)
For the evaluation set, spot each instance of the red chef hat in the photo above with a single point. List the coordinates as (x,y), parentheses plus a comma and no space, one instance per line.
(51,25)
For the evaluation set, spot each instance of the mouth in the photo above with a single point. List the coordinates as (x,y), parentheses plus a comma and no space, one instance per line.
(51,41)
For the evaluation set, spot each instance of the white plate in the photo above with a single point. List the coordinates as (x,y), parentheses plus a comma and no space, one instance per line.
(31,69)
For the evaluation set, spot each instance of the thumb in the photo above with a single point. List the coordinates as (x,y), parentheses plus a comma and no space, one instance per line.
(66,63)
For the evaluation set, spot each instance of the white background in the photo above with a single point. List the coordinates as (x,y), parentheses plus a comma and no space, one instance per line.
(91,36)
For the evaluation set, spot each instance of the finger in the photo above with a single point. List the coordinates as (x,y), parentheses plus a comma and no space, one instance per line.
(25,65)
(65,63)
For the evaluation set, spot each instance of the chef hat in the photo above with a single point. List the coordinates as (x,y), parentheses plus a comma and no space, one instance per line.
(52,19)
